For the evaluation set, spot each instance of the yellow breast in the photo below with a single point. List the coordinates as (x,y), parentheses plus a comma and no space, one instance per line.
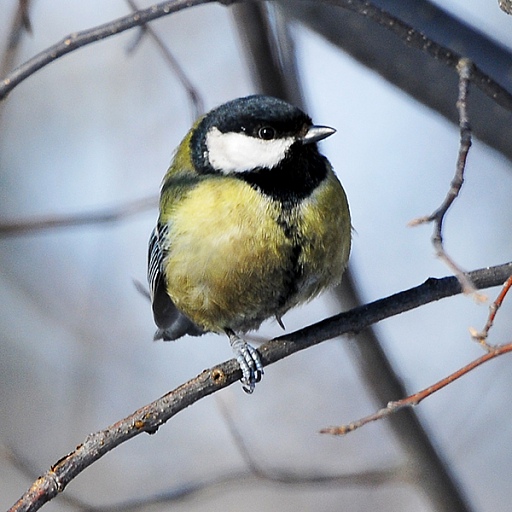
(230,262)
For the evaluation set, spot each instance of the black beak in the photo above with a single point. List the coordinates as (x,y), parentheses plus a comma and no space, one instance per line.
(316,133)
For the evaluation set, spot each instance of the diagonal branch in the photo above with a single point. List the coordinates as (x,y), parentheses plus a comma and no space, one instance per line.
(192,91)
(150,417)
(405,32)
(418,397)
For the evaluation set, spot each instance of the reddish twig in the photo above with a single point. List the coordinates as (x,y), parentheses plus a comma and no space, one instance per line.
(416,398)
(412,400)
(481,336)
(150,417)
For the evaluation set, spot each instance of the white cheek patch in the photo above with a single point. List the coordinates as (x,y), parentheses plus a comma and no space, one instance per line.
(237,152)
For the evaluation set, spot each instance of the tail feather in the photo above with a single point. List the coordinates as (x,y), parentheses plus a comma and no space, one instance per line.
(180,326)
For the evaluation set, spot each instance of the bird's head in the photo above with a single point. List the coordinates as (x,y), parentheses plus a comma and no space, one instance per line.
(252,133)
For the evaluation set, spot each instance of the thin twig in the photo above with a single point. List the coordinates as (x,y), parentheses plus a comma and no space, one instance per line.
(412,400)
(464,67)
(50,222)
(285,476)
(407,33)
(481,336)
(150,417)
(416,398)
(192,91)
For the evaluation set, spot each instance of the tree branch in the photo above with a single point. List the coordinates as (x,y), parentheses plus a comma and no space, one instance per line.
(418,397)
(493,351)
(405,32)
(464,68)
(50,222)
(150,417)
(79,39)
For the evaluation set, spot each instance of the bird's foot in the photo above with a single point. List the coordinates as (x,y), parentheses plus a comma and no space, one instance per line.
(249,360)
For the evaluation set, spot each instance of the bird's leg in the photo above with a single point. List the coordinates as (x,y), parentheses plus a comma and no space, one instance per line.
(249,360)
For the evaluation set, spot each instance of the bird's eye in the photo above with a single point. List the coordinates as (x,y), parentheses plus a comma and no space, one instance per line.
(266,133)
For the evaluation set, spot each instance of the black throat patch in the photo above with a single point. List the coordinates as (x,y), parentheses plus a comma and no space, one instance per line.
(294,179)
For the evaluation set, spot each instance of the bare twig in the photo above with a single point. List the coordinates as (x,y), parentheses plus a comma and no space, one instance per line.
(284,476)
(150,417)
(481,336)
(49,222)
(416,398)
(412,400)
(464,68)
(370,478)
(407,33)
(192,91)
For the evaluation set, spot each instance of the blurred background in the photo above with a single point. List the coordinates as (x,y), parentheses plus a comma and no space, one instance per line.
(92,134)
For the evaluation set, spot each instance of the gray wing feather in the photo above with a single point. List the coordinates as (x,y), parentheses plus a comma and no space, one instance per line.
(171,323)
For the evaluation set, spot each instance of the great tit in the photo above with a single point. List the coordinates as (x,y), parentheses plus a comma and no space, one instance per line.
(253,221)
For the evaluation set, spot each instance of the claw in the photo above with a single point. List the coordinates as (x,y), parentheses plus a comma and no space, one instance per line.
(249,360)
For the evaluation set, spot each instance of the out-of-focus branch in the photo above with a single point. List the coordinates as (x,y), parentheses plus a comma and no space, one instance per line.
(370,478)
(50,222)
(404,31)
(269,46)
(493,351)
(150,417)
(20,24)
(192,91)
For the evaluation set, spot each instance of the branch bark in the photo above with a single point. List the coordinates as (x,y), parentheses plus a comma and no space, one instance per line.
(405,32)
(150,417)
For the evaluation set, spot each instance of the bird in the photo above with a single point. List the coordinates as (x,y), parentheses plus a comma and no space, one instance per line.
(252,222)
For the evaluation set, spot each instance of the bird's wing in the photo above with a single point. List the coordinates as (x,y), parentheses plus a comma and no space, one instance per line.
(155,260)
(171,323)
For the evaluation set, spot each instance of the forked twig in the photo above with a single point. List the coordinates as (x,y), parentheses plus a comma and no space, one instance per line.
(464,68)
(481,336)
(416,398)
(192,92)
(412,400)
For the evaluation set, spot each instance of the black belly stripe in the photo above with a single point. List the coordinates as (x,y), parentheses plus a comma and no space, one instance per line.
(294,270)
(288,185)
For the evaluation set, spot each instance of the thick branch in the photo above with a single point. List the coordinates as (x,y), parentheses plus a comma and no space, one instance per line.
(150,417)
